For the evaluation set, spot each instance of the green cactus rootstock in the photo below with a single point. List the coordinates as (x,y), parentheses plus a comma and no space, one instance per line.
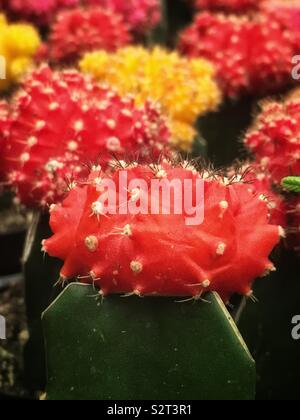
(292,184)
(150,348)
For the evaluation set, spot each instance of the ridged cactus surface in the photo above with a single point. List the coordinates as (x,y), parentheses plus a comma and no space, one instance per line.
(144,348)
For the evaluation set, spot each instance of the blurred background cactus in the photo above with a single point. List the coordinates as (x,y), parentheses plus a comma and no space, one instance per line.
(19,43)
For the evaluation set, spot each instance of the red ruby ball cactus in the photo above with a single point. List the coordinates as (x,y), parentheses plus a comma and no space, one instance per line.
(252,54)
(129,248)
(61,120)
(274,138)
(80,30)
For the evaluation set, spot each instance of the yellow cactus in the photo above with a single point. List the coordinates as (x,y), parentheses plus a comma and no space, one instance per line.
(18,44)
(185,88)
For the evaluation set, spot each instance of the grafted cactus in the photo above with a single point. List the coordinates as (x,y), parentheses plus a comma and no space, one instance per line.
(147,244)
(160,264)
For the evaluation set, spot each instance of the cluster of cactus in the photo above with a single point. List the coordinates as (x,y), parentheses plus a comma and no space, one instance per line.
(274,140)
(185,88)
(62,119)
(18,44)
(157,253)
(78,31)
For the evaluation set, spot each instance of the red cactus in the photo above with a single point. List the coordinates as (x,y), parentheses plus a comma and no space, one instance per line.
(40,11)
(141,15)
(252,55)
(61,119)
(274,139)
(158,254)
(287,13)
(78,31)
(237,6)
